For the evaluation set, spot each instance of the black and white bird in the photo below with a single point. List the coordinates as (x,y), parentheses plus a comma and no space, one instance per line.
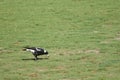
(36,51)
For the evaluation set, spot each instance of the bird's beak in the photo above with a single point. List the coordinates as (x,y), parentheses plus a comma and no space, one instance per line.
(48,55)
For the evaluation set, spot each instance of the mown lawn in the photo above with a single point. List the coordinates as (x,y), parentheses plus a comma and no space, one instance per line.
(82,37)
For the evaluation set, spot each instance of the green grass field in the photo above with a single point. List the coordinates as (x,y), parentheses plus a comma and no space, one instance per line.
(82,37)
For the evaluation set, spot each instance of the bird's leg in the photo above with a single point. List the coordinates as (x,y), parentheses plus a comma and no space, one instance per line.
(35,57)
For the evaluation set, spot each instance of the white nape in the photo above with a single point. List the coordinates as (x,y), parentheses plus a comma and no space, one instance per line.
(45,51)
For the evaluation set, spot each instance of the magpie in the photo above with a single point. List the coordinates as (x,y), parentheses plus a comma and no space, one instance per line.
(36,51)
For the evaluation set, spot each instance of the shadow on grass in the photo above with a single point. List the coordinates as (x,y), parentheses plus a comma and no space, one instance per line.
(34,59)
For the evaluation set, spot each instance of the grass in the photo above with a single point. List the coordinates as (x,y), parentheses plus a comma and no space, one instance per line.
(82,37)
